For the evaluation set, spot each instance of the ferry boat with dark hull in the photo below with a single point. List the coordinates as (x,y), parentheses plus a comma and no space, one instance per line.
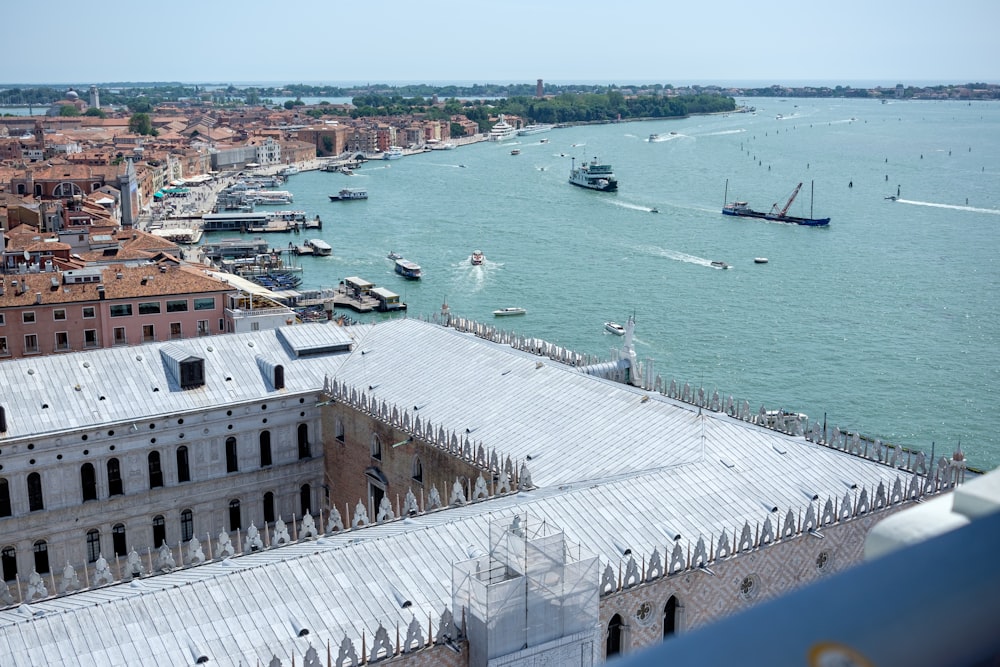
(407,269)
(350,194)
(593,175)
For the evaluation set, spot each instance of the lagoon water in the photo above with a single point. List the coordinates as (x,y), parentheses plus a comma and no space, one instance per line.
(886,322)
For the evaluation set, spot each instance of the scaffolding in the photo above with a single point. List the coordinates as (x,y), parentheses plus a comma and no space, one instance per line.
(534,588)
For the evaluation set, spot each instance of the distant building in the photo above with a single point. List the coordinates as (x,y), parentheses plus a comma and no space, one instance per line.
(95,98)
(539,89)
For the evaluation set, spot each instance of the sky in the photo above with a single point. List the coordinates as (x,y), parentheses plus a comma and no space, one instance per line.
(876,42)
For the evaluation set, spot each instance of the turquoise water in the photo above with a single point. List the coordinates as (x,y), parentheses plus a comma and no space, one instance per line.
(885,322)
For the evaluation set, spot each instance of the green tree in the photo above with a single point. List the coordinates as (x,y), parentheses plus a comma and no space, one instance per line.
(140,123)
(68,110)
(95,112)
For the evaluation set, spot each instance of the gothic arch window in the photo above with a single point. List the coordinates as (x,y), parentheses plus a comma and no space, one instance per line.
(159,530)
(269,507)
(67,190)
(418,470)
(303,433)
(41,549)
(38,189)
(614,643)
(155,471)
(88,482)
(305,499)
(338,429)
(265,448)
(376,447)
(93,545)
(8,561)
(232,463)
(670,615)
(183,466)
(234,515)
(187,525)
(115,487)
(5,509)
(118,540)
(35,501)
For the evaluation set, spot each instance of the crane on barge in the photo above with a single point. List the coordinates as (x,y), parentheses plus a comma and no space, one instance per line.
(781,214)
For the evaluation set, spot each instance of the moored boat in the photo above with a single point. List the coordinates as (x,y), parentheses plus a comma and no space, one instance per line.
(536,128)
(477,257)
(510,310)
(593,175)
(516,151)
(407,269)
(394,153)
(760,260)
(615,328)
(742,209)
(502,130)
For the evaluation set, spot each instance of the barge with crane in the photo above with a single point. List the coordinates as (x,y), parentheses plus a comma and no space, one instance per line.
(742,209)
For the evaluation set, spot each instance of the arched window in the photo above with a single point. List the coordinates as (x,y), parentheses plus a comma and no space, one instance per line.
(268,507)
(4,498)
(155,471)
(376,447)
(234,515)
(115,487)
(183,467)
(35,501)
(118,541)
(304,452)
(232,465)
(338,429)
(614,644)
(159,530)
(93,545)
(670,617)
(305,499)
(41,550)
(187,525)
(8,559)
(418,470)
(88,480)
(265,448)
(67,190)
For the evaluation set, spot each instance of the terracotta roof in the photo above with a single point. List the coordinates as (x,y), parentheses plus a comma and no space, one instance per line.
(134,282)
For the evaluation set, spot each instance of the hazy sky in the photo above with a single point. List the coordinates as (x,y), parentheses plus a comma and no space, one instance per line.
(607,41)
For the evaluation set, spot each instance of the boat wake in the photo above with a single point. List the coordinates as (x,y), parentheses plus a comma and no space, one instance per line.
(721,132)
(665,137)
(683,257)
(635,207)
(953,207)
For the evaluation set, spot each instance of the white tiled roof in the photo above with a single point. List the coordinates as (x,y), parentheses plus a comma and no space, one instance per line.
(611,470)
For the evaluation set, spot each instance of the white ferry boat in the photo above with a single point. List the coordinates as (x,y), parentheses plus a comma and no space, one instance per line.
(593,175)
(317,247)
(477,257)
(348,194)
(502,130)
(394,153)
(537,128)
(290,170)
(614,328)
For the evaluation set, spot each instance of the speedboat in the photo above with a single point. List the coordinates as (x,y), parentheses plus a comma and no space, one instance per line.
(654,210)
(393,255)
(477,257)
(760,260)
(510,310)
(516,151)
(720,265)
(615,328)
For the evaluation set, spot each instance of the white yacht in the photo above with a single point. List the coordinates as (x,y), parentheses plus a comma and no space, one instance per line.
(502,130)
(394,153)
(537,128)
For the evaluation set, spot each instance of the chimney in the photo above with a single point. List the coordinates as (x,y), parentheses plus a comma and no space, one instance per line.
(38,298)
(118,276)
(100,292)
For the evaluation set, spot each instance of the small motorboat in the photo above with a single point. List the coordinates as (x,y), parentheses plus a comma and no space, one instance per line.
(477,257)
(510,310)
(615,328)
(720,265)
(393,255)
(654,210)
(760,260)
(516,151)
